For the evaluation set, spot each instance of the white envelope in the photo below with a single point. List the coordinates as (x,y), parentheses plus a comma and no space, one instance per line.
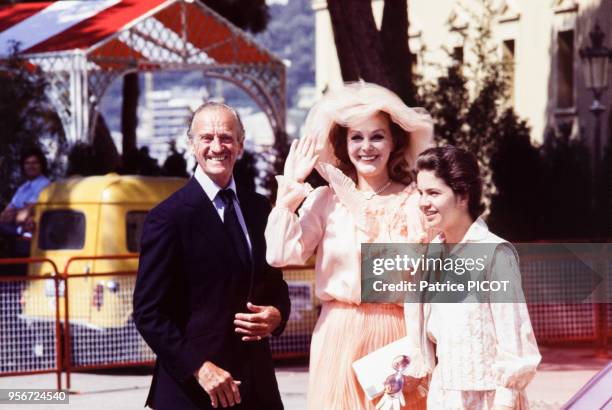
(374,368)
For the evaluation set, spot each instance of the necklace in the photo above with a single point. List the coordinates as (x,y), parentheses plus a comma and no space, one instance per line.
(370,195)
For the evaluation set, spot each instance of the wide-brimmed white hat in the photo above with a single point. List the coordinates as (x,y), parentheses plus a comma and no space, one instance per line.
(354,101)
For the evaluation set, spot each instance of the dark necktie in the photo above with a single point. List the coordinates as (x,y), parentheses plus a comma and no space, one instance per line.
(232,225)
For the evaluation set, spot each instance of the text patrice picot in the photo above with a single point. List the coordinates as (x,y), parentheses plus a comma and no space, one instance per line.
(411,265)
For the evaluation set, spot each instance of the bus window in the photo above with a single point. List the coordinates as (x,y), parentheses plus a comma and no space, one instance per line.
(62,230)
(134,220)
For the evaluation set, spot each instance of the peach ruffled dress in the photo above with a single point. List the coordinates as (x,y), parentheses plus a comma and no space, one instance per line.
(333,222)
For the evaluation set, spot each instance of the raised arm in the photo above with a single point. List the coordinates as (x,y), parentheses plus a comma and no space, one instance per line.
(290,239)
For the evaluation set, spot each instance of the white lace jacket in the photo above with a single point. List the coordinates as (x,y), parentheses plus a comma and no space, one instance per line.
(479,346)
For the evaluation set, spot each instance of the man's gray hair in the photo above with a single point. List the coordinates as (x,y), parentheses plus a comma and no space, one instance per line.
(212,105)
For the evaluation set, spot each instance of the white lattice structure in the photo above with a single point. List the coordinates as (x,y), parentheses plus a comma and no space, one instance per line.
(83,45)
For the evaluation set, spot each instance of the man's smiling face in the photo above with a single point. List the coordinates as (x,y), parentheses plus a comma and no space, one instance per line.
(216,143)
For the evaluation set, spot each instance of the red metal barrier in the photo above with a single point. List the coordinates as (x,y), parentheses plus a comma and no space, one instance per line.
(55,277)
(299,277)
(294,343)
(68,365)
(601,320)
(558,323)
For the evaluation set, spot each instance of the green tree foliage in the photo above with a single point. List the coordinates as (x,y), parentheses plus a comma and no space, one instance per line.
(516,165)
(543,192)
(26,119)
(569,208)
(531,192)
(447,100)
(471,118)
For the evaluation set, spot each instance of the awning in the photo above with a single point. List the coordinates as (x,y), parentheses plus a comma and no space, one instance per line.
(82,45)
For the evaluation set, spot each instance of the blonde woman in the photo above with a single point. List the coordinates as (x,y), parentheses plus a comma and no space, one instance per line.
(363,140)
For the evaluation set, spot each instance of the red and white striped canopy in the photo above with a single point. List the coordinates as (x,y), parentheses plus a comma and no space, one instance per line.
(82,45)
(167,31)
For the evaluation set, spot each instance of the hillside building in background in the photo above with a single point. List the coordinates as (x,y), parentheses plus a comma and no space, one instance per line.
(165,115)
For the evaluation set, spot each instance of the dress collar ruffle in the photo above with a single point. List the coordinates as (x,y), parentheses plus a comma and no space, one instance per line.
(368,217)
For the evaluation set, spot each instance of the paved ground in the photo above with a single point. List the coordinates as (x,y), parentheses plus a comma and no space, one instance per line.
(561,374)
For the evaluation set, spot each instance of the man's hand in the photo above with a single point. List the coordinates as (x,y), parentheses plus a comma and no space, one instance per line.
(259,324)
(24,213)
(219,385)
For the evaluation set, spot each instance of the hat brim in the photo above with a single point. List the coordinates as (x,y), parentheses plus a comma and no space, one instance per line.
(354,101)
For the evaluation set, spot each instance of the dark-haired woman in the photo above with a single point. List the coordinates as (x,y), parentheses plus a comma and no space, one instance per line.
(363,140)
(486,350)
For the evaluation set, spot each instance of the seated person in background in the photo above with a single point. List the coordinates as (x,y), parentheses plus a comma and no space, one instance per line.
(16,218)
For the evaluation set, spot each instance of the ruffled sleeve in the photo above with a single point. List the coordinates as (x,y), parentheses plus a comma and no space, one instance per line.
(415,221)
(517,351)
(292,239)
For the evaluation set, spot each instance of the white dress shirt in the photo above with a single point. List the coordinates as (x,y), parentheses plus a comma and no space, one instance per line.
(212,190)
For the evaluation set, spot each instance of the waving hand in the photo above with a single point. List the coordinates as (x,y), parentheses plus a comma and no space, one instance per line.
(301,159)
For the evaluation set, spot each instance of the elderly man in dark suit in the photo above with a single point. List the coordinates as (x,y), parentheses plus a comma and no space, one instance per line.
(205,298)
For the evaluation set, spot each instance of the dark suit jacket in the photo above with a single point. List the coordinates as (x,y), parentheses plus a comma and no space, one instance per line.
(190,285)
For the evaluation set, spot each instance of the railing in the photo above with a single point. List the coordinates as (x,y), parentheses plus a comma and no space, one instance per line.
(92,312)
(557,277)
(92,326)
(30,345)
(101,334)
